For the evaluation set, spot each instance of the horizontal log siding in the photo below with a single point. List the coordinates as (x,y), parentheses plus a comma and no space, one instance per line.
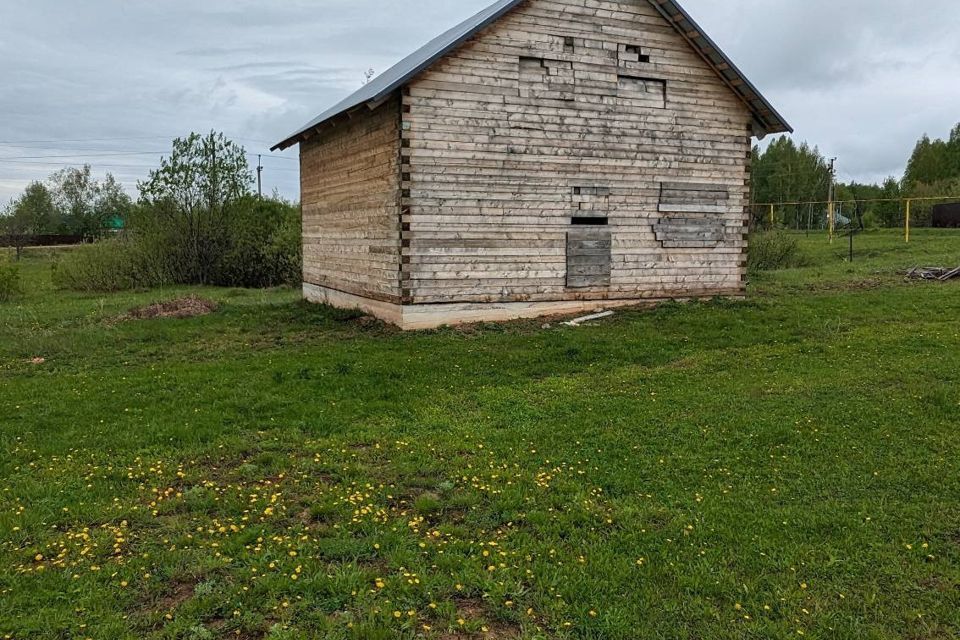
(350,186)
(491,173)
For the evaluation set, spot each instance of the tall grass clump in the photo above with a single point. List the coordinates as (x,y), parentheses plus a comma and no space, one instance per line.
(10,284)
(775,250)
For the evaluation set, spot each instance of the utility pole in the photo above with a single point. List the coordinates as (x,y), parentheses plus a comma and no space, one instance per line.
(260,176)
(831,212)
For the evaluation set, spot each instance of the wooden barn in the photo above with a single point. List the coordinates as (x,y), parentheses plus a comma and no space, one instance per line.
(544,157)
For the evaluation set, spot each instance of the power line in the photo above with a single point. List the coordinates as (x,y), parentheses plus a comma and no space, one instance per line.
(269,157)
(82,155)
(101,149)
(30,163)
(32,142)
(96,153)
(61,148)
(74,164)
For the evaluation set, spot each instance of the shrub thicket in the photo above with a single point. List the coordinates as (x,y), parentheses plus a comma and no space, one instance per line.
(116,264)
(776,250)
(256,245)
(262,247)
(196,223)
(10,286)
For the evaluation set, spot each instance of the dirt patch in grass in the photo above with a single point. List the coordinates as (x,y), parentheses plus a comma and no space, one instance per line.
(181,591)
(472,609)
(220,626)
(933,633)
(953,537)
(367,322)
(495,631)
(189,307)
(937,583)
(864,284)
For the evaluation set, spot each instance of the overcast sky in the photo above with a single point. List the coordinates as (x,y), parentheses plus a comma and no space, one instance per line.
(110,82)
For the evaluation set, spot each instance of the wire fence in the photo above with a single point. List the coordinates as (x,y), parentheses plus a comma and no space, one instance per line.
(844,215)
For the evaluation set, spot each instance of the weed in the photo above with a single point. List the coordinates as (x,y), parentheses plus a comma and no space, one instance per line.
(775,251)
(10,282)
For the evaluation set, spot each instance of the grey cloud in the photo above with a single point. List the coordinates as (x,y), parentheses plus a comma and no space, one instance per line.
(820,44)
(860,78)
(213,52)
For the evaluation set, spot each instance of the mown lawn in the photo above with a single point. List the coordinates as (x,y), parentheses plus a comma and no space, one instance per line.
(780,467)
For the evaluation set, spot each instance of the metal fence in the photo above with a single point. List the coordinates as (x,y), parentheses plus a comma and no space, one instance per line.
(46,240)
(834,216)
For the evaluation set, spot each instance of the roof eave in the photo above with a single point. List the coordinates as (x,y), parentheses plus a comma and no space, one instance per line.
(764,113)
(470,29)
(305,134)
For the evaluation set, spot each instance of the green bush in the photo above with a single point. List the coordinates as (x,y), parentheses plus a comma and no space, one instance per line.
(10,285)
(771,251)
(872,220)
(116,264)
(263,246)
(255,244)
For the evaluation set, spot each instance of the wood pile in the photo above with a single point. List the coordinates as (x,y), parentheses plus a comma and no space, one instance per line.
(940,274)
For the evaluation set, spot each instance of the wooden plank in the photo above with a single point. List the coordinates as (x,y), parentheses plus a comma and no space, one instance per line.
(692,208)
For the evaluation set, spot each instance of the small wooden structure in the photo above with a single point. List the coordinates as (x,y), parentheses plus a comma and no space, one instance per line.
(544,157)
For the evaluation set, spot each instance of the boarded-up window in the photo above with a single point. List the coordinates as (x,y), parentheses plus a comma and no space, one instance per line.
(589,239)
(643,91)
(693,217)
(546,79)
(693,197)
(689,232)
(589,246)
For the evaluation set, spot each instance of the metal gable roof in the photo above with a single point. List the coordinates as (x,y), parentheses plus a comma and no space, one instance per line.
(767,118)
(383,86)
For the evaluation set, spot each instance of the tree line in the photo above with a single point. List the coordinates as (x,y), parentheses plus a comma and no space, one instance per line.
(786,172)
(196,221)
(70,202)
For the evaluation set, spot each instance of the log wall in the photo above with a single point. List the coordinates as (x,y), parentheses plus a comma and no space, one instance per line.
(350,190)
(569,109)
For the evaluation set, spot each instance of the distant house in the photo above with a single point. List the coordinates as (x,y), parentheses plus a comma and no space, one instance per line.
(544,157)
(115,224)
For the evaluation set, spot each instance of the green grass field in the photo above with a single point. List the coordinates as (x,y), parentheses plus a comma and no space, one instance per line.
(786,466)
